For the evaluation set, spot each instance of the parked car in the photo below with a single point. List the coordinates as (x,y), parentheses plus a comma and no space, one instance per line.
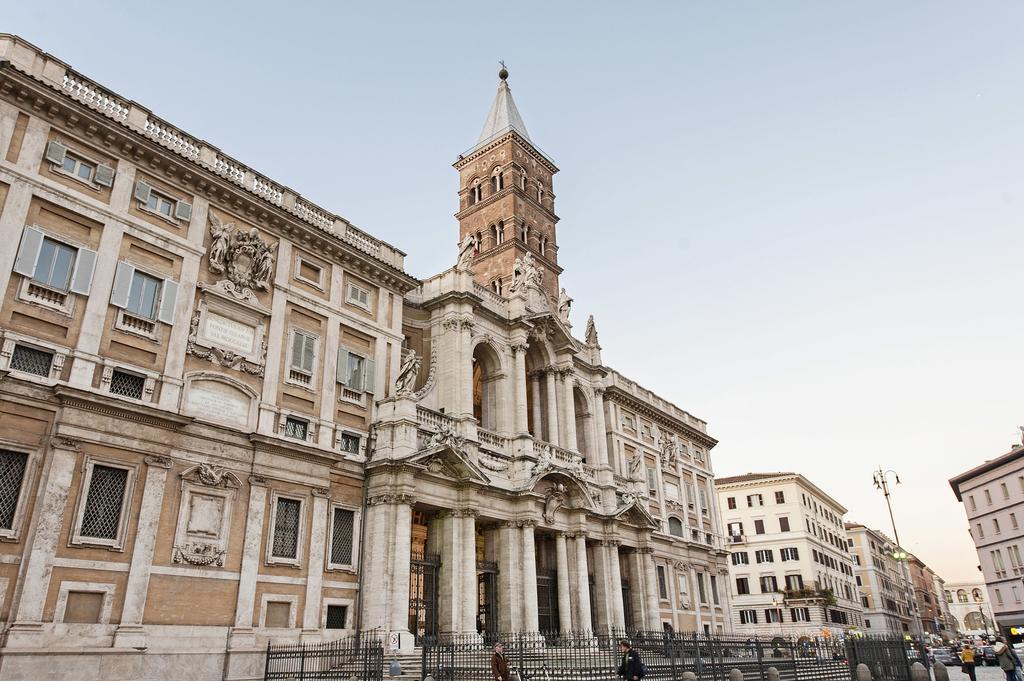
(987,657)
(946,657)
(1019,649)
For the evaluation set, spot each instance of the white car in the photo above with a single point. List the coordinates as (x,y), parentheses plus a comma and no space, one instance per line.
(1018,648)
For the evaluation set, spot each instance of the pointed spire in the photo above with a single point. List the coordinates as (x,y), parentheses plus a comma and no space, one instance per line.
(504,114)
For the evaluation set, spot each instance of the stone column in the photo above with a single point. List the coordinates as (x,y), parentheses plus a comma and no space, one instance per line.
(538,417)
(615,586)
(564,601)
(469,578)
(583,616)
(601,435)
(569,409)
(402,543)
(466,366)
(509,578)
(277,348)
(651,589)
(130,632)
(521,421)
(243,635)
(549,375)
(446,530)
(37,566)
(315,564)
(638,588)
(531,621)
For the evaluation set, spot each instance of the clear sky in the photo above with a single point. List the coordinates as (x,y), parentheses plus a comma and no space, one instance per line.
(800,221)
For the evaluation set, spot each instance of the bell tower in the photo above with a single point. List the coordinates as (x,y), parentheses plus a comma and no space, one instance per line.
(506,202)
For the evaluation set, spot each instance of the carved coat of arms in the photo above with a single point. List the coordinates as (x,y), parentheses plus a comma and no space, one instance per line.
(241,256)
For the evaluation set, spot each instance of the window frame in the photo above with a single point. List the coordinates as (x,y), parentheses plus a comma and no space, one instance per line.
(355,301)
(80,158)
(65,589)
(343,602)
(339,436)
(318,284)
(13,534)
(356,528)
(270,558)
(291,599)
(290,364)
(88,465)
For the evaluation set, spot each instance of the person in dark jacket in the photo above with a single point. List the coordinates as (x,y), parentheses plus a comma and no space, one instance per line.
(499,664)
(631,668)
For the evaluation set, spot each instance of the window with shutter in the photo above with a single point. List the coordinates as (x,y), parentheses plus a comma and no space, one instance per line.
(303,357)
(359,296)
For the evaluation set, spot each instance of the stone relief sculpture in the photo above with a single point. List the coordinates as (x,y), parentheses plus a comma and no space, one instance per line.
(525,274)
(221,357)
(242,256)
(447,437)
(211,476)
(543,462)
(668,450)
(198,553)
(554,500)
(408,372)
(564,303)
(467,251)
(636,465)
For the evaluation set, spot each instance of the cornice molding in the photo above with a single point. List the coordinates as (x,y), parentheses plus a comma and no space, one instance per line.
(465,159)
(617,394)
(76,398)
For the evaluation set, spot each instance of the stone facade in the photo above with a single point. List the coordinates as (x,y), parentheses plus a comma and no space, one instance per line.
(886,590)
(230,417)
(790,572)
(969,609)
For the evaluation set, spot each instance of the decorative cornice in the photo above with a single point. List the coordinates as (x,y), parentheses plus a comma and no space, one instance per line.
(390,498)
(258,481)
(138,413)
(622,397)
(159,461)
(322,492)
(62,442)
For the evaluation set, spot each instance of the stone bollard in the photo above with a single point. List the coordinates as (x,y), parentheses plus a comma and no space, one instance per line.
(689,676)
(863,673)
(940,671)
(773,674)
(918,672)
(735,674)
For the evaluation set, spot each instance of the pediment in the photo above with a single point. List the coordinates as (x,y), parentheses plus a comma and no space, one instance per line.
(632,512)
(446,460)
(551,328)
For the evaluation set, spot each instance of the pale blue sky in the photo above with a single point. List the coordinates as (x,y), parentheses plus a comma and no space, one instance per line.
(798,220)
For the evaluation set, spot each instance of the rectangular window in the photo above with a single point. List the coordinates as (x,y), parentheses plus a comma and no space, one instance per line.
(731,502)
(772,615)
(995,526)
(287,522)
(652,479)
(342,537)
(742,586)
(714,590)
(740,558)
(1013,520)
(700,588)
(78,167)
(754,500)
(999,596)
(663,585)
(769,584)
(748,617)
(55,264)
(765,556)
(988,497)
(348,443)
(783,524)
(12,477)
(800,614)
(31,361)
(703,501)
(104,503)
(358,295)
(981,532)
(296,428)
(143,295)
(780,497)
(758,527)
(160,204)
(791,553)
(127,384)
(1005,490)
(735,529)
(972,503)
(337,616)
(303,357)
(309,272)
(794,582)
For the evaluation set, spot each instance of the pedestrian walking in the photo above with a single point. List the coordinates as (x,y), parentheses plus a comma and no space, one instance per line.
(1008,660)
(632,668)
(967,658)
(499,664)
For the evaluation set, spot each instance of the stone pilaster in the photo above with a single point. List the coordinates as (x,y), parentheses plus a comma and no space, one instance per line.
(538,414)
(569,410)
(583,614)
(12,222)
(653,621)
(549,376)
(521,425)
(243,634)
(130,632)
(316,562)
(509,578)
(564,600)
(27,610)
(615,585)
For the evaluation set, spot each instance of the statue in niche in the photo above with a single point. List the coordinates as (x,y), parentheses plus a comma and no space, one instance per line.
(242,256)
(564,303)
(467,251)
(591,335)
(408,372)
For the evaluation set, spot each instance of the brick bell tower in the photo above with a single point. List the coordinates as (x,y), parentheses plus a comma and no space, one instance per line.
(506,200)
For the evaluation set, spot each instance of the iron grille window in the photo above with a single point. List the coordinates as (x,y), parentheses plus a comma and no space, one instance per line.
(341,536)
(286,528)
(31,360)
(296,428)
(128,385)
(101,518)
(349,443)
(12,472)
(336,616)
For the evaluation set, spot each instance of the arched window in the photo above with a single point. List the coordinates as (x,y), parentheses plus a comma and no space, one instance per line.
(496,286)
(522,181)
(498,180)
(477,193)
(479,245)
(498,232)
(543,245)
(961,596)
(976,594)
(540,194)
(524,232)
(675,527)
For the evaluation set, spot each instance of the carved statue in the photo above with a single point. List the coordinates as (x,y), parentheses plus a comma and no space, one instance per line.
(555,499)
(591,336)
(668,450)
(532,275)
(517,276)
(1021,429)
(564,303)
(447,437)
(407,373)
(544,462)
(246,260)
(467,251)
(635,466)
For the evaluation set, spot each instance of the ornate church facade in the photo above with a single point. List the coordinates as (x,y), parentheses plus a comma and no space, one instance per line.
(228,416)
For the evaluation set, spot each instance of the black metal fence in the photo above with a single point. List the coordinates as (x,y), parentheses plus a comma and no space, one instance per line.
(358,656)
(667,655)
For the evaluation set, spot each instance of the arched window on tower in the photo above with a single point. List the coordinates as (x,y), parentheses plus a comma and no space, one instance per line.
(524,232)
(478,244)
(543,245)
(522,181)
(476,193)
(498,180)
(961,596)
(498,232)
(496,286)
(540,193)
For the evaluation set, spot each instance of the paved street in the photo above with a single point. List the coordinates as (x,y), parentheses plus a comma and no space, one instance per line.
(983,674)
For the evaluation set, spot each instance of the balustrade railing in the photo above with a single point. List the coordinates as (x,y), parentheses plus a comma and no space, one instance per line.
(493,439)
(433,419)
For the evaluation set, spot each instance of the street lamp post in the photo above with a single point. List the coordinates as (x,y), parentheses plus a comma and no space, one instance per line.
(881,480)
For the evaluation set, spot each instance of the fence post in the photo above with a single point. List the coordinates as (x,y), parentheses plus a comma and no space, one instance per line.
(760,658)
(863,673)
(941,673)
(689,676)
(302,663)
(735,674)
(918,672)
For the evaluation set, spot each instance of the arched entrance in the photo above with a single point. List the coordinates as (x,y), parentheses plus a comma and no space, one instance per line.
(487,384)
